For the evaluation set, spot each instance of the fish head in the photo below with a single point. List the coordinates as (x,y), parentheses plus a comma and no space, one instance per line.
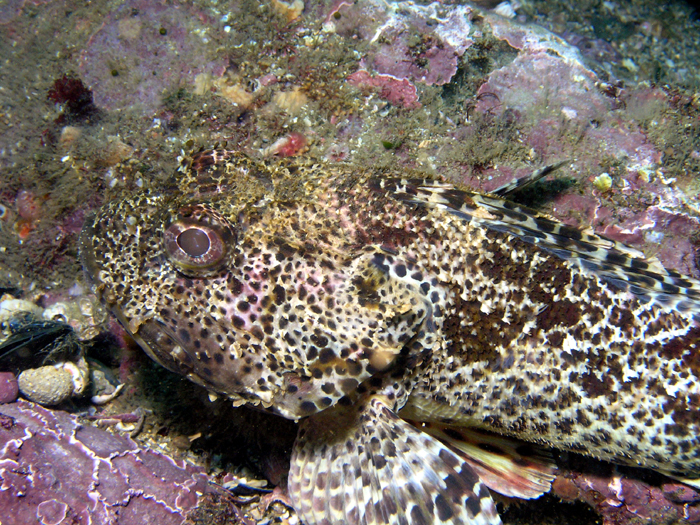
(251,282)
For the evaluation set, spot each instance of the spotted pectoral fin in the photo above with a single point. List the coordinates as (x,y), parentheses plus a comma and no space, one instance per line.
(362,464)
(616,263)
(505,465)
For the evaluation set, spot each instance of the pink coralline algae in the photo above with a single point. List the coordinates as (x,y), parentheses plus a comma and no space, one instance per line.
(433,62)
(539,81)
(413,44)
(136,57)
(55,471)
(399,92)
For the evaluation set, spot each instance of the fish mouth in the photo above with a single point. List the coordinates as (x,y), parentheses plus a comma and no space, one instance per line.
(160,345)
(169,351)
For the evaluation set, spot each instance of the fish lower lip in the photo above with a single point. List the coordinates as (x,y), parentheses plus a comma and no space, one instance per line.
(160,345)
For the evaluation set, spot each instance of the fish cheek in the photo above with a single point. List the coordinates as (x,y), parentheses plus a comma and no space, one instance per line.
(377,318)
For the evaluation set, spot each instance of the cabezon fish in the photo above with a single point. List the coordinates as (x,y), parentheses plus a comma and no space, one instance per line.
(393,316)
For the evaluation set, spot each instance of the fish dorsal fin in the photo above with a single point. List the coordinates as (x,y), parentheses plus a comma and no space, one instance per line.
(620,265)
(507,466)
(362,464)
(520,184)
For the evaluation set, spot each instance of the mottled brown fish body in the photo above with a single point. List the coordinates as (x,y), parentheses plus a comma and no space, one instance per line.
(286,286)
(537,348)
(534,346)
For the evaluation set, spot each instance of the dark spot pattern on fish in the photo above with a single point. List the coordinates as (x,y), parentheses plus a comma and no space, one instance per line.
(343,296)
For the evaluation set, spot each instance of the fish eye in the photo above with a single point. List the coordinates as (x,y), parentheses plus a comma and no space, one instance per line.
(198,240)
(194,242)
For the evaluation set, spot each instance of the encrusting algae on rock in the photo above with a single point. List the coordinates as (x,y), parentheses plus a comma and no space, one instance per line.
(404,322)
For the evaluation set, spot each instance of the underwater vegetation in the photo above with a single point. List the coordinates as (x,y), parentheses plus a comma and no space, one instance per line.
(471,94)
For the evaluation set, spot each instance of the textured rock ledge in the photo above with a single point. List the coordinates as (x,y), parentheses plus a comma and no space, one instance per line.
(53,470)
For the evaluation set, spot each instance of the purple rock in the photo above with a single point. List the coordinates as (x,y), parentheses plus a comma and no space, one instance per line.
(553,97)
(54,469)
(145,49)
(8,387)
(624,500)
(680,493)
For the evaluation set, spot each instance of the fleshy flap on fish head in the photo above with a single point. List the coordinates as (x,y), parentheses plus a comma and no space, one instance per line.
(249,285)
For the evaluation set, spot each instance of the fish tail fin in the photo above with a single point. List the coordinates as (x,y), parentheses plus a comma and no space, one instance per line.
(507,466)
(364,465)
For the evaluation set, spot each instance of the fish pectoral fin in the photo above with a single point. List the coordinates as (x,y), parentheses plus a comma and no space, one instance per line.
(507,466)
(363,464)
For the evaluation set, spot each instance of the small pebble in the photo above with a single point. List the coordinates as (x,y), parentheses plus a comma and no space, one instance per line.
(47,385)
(505,9)
(9,390)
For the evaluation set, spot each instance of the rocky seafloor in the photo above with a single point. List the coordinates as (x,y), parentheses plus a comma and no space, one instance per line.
(101,99)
